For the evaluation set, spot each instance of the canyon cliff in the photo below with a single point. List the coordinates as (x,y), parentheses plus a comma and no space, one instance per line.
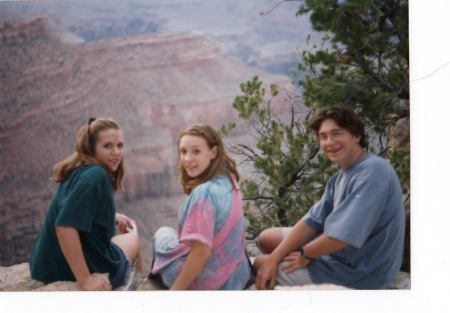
(153,84)
(17,278)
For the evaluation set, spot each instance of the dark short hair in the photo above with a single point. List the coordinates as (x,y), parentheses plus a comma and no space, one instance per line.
(345,117)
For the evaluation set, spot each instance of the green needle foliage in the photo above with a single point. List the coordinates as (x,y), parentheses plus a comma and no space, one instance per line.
(290,175)
(363,63)
(366,62)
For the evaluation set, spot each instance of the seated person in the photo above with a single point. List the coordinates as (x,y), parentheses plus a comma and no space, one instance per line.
(78,236)
(207,251)
(354,235)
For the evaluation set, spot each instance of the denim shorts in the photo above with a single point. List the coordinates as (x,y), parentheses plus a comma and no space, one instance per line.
(119,279)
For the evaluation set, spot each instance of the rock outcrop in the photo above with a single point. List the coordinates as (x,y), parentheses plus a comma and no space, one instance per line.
(17,278)
(21,31)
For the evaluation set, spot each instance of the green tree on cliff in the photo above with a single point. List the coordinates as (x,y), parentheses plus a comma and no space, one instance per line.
(362,63)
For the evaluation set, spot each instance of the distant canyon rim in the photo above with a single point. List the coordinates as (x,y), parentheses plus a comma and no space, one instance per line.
(153,84)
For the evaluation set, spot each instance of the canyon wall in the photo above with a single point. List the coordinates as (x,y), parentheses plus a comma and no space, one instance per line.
(268,41)
(153,84)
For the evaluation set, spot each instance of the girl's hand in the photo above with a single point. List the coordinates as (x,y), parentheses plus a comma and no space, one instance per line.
(124,222)
(295,262)
(96,283)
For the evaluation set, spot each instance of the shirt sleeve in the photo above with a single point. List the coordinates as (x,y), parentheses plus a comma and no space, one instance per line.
(318,213)
(199,221)
(79,207)
(354,218)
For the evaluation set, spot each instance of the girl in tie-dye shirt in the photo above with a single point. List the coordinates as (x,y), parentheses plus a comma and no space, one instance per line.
(208,250)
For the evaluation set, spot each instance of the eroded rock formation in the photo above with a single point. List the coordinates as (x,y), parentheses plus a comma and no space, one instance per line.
(21,31)
(154,85)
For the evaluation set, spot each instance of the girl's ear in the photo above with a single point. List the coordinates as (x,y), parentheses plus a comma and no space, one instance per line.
(214,152)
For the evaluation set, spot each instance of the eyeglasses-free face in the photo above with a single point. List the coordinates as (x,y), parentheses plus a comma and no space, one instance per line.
(109,148)
(195,154)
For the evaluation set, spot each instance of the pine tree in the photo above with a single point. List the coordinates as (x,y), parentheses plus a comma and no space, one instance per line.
(290,174)
(363,62)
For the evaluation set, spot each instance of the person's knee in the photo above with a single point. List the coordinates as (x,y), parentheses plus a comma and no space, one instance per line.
(269,239)
(135,243)
(262,240)
(129,243)
(162,231)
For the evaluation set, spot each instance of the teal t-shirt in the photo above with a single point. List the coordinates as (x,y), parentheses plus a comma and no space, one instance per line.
(84,201)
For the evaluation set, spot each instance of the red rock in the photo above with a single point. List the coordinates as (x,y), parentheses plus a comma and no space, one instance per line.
(154,85)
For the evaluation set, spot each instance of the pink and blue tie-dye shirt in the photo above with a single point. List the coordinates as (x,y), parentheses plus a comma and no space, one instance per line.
(213,215)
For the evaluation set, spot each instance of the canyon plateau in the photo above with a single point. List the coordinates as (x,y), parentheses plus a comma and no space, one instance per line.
(153,84)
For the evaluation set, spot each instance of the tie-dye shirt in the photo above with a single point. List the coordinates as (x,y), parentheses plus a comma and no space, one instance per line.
(213,215)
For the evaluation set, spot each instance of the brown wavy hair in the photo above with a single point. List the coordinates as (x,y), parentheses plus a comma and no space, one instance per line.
(85,153)
(345,117)
(222,164)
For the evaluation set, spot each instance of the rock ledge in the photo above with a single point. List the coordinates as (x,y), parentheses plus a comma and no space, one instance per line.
(17,278)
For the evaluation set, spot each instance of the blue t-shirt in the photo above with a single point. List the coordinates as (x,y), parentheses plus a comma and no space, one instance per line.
(362,205)
(84,201)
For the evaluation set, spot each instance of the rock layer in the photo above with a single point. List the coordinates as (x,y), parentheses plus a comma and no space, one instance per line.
(17,278)
(154,85)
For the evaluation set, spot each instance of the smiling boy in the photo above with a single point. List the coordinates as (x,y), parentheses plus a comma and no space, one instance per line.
(354,235)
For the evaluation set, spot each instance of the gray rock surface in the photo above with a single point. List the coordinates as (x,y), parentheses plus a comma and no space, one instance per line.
(17,278)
